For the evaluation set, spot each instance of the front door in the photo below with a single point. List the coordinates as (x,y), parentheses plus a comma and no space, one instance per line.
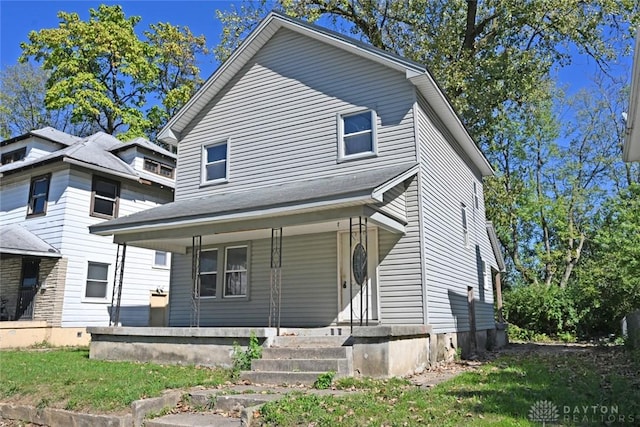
(358,300)
(28,288)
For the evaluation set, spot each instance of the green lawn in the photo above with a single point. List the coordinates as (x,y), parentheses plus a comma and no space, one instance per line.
(67,378)
(499,393)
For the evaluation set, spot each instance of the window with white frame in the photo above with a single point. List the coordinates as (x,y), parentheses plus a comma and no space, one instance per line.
(476,199)
(465,227)
(215,162)
(97,281)
(486,276)
(161,259)
(357,135)
(208,273)
(235,274)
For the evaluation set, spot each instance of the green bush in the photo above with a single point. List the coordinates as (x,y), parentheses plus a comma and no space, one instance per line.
(242,358)
(541,309)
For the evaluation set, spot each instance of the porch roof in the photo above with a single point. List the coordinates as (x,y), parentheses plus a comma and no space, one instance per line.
(17,240)
(311,195)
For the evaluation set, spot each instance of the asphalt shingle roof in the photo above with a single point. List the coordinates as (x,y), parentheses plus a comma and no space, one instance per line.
(275,196)
(15,239)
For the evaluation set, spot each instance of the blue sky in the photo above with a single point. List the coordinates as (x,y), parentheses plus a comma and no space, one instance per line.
(18,18)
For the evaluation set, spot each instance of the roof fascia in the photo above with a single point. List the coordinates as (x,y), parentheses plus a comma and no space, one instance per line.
(378,192)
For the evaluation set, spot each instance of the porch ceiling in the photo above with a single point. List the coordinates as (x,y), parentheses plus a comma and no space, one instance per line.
(302,207)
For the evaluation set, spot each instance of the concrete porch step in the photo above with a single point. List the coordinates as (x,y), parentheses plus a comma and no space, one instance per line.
(277,377)
(306,353)
(311,341)
(193,420)
(301,365)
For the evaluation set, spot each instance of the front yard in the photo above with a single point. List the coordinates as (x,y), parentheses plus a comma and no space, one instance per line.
(525,384)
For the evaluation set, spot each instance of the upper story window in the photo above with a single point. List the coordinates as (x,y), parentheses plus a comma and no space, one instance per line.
(105,196)
(465,225)
(158,168)
(215,162)
(357,135)
(38,195)
(14,156)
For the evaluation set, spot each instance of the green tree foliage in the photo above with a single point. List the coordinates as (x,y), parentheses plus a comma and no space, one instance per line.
(108,76)
(607,287)
(22,106)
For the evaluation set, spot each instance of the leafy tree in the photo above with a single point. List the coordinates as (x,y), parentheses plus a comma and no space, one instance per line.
(22,107)
(178,77)
(108,76)
(608,286)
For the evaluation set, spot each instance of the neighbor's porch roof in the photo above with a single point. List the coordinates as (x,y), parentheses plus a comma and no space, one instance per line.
(245,215)
(17,240)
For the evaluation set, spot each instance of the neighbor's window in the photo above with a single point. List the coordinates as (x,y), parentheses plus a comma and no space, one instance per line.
(97,280)
(161,259)
(38,195)
(215,162)
(208,273)
(105,197)
(14,156)
(235,274)
(158,168)
(357,135)
(465,227)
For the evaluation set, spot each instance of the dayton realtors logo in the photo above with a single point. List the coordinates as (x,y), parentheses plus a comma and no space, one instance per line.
(545,412)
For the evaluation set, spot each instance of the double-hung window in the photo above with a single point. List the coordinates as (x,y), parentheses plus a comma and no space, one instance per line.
(465,225)
(215,162)
(97,281)
(233,278)
(105,197)
(357,135)
(38,195)
(208,273)
(235,273)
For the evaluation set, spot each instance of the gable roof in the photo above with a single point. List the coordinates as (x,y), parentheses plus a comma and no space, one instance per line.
(417,74)
(17,240)
(631,150)
(92,152)
(354,188)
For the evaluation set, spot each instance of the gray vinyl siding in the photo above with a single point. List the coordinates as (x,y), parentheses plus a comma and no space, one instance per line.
(400,271)
(394,202)
(309,286)
(280,115)
(446,183)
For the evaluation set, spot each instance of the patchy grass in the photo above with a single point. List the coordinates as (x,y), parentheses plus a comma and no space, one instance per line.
(67,378)
(501,392)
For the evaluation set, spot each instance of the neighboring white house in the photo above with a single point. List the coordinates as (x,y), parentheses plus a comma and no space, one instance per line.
(631,151)
(322,182)
(53,186)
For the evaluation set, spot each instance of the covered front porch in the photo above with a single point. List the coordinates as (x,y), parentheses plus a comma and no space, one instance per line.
(304,254)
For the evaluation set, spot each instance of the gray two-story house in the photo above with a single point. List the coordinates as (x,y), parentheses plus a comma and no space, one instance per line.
(323,183)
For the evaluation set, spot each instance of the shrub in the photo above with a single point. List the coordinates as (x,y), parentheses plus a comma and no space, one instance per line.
(541,309)
(242,358)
